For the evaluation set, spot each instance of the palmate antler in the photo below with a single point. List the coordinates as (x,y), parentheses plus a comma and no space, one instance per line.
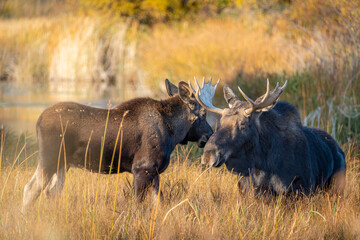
(269,99)
(205,95)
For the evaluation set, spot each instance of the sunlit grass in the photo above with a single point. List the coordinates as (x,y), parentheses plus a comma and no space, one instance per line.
(198,204)
(84,55)
(92,57)
(221,48)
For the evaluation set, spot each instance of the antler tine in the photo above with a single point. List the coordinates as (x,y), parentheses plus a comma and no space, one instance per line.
(269,99)
(205,94)
(285,84)
(197,83)
(267,89)
(276,88)
(267,86)
(217,83)
(249,100)
(192,88)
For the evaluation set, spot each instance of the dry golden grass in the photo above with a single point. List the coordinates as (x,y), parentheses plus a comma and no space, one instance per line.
(77,52)
(197,205)
(74,54)
(217,47)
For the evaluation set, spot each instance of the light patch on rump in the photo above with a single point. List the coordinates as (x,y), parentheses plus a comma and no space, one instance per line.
(277,184)
(259,177)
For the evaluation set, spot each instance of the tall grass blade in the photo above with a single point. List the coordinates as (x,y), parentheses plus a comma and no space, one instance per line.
(114,152)
(2,146)
(154,214)
(118,168)
(128,216)
(8,176)
(84,206)
(98,176)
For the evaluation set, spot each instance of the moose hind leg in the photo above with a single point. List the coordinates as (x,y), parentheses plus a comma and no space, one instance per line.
(338,182)
(56,185)
(33,188)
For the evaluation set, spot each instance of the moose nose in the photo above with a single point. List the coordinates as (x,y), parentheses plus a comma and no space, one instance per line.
(209,151)
(210,158)
(205,158)
(211,155)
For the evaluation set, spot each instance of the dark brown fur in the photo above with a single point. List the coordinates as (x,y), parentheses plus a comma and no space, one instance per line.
(273,151)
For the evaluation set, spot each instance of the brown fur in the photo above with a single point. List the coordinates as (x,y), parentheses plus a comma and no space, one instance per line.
(72,134)
(273,152)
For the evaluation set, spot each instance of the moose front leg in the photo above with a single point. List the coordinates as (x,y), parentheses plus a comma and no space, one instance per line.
(156,191)
(144,179)
(244,183)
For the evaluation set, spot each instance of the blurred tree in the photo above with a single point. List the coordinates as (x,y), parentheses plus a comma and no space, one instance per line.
(150,11)
(35,8)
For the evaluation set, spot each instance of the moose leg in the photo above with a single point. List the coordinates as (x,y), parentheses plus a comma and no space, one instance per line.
(155,189)
(244,184)
(142,182)
(144,178)
(338,182)
(56,185)
(33,188)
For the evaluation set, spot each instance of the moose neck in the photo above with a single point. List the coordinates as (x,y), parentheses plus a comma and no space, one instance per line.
(176,117)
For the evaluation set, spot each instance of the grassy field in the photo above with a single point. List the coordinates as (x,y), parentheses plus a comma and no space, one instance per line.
(83,55)
(197,205)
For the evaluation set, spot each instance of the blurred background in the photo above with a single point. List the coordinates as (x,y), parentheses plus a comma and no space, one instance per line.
(96,51)
(93,51)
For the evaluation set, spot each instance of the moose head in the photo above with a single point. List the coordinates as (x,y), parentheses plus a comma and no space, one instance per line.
(238,133)
(200,130)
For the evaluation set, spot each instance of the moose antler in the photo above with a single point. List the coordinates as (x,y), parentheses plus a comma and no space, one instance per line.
(205,95)
(266,100)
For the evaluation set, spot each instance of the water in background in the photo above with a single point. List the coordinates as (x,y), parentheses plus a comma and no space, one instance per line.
(20,107)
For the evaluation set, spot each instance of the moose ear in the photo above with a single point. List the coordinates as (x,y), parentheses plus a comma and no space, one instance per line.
(185,93)
(171,88)
(230,96)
